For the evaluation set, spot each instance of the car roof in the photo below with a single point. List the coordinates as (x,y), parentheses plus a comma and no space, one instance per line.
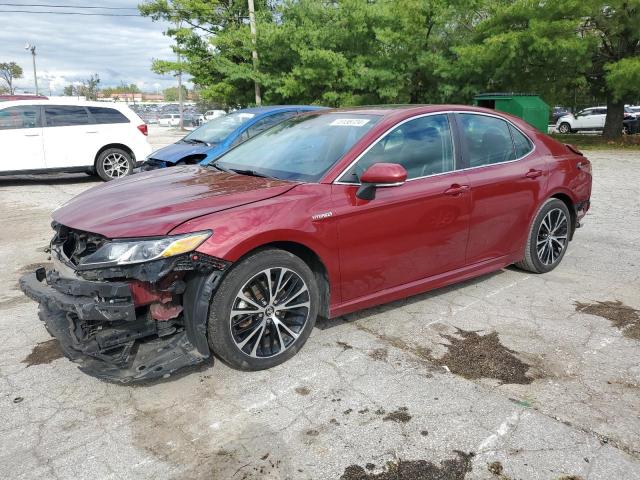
(278,108)
(404,111)
(65,102)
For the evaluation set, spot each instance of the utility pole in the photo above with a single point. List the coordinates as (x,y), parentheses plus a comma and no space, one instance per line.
(254,55)
(33,55)
(180,99)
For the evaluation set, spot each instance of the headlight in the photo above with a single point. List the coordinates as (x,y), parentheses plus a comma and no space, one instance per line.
(126,252)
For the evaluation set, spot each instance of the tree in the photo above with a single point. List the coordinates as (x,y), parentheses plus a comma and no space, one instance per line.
(171,94)
(89,87)
(555,48)
(9,72)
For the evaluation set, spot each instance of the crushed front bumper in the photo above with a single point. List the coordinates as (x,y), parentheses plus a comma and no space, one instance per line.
(100,328)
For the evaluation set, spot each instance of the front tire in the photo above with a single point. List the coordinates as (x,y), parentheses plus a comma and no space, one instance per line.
(114,163)
(264,310)
(564,128)
(548,238)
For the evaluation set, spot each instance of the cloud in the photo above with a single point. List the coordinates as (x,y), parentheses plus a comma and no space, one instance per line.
(70,48)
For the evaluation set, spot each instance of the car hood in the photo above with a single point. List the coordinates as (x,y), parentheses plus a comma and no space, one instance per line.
(177,151)
(154,203)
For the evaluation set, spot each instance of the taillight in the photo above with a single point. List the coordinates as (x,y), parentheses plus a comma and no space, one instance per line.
(143,129)
(584,165)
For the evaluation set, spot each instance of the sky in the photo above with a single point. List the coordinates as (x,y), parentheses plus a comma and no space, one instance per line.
(69,48)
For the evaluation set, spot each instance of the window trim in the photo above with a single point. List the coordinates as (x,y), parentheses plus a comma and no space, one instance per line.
(455,138)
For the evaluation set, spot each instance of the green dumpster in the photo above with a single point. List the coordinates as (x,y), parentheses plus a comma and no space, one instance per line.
(528,106)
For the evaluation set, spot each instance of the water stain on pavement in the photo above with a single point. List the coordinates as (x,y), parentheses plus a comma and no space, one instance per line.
(44,353)
(379,354)
(401,415)
(450,469)
(476,356)
(304,391)
(14,301)
(624,317)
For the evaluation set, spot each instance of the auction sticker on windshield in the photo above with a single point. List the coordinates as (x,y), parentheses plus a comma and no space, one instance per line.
(349,122)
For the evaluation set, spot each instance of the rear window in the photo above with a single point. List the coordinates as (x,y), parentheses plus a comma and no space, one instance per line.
(107,115)
(521,142)
(65,116)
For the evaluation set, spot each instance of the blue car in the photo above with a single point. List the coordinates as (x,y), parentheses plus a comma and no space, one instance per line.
(209,141)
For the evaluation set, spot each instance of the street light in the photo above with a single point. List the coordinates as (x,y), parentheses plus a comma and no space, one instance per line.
(33,54)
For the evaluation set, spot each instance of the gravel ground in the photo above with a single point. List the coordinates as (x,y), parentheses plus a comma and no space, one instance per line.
(508,376)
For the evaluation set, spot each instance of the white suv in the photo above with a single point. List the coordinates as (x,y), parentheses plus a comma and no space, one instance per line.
(588,119)
(38,136)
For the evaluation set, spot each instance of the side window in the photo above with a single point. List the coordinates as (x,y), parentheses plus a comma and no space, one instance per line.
(521,142)
(487,139)
(13,118)
(107,115)
(65,116)
(268,122)
(422,146)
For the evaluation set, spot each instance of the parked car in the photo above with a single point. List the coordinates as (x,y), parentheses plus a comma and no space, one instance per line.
(593,119)
(169,120)
(39,136)
(211,114)
(324,214)
(558,112)
(9,98)
(217,136)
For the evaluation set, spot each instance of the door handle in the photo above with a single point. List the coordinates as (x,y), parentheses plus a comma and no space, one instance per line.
(533,173)
(92,131)
(456,189)
(31,134)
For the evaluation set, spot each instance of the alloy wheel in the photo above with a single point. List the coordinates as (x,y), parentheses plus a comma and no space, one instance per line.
(552,236)
(116,165)
(269,312)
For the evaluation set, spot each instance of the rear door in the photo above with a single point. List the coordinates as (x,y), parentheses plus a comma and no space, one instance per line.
(69,138)
(408,232)
(21,139)
(507,179)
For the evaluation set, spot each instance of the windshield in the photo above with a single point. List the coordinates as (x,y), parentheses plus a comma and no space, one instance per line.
(216,130)
(302,148)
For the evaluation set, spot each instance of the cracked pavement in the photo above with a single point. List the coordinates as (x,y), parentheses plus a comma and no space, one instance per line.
(328,407)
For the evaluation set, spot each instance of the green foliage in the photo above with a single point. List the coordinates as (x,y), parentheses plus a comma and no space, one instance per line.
(353,52)
(122,88)
(623,79)
(10,71)
(171,94)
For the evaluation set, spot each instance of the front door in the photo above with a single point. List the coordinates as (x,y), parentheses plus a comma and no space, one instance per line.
(507,179)
(407,232)
(21,139)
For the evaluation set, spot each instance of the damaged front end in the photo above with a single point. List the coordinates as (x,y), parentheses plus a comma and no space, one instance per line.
(127,310)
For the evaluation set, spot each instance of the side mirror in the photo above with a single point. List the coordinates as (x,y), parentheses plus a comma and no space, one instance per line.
(380,175)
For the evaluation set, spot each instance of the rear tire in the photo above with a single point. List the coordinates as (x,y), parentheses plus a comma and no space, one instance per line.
(280,295)
(548,237)
(114,163)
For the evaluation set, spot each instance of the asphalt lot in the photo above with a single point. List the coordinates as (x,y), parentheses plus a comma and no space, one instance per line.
(509,376)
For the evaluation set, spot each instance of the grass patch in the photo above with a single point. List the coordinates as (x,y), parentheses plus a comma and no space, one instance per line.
(597,142)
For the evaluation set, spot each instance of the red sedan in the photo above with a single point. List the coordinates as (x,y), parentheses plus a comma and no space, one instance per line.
(322,215)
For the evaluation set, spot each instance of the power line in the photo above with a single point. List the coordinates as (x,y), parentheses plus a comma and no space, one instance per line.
(64,6)
(74,13)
